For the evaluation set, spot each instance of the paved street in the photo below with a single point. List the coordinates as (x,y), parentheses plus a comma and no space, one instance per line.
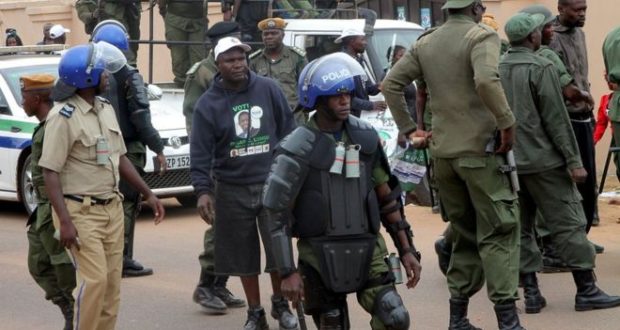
(163,301)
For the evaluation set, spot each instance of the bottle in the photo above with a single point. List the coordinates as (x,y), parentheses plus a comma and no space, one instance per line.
(394,262)
(339,159)
(103,153)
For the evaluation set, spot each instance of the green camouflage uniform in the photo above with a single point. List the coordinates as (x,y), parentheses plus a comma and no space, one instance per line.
(285,70)
(184,21)
(468,105)
(48,261)
(199,78)
(545,148)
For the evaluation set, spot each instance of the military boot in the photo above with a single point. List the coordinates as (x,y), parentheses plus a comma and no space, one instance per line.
(281,312)
(132,268)
(220,291)
(507,318)
(458,315)
(204,296)
(534,301)
(66,308)
(256,319)
(444,253)
(589,296)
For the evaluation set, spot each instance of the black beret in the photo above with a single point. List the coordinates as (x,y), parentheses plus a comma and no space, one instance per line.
(223,29)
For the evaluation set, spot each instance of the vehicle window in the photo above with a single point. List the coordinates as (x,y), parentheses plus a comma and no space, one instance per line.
(4,105)
(382,40)
(11,75)
(319,45)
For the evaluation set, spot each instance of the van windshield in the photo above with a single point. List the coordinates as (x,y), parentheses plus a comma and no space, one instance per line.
(382,40)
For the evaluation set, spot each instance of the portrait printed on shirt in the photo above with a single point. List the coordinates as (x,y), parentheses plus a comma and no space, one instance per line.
(249,139)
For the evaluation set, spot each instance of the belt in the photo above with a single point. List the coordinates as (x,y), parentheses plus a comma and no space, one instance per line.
(579,116)
(93,200)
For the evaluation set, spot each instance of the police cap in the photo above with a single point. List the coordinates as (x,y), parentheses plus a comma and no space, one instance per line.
(272,23)
(457,4)
(540,9)
(521,25)
(35,82)
(223,29)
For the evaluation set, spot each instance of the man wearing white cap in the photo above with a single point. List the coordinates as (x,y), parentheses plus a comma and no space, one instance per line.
(229,168)
(354,43)
(58,34)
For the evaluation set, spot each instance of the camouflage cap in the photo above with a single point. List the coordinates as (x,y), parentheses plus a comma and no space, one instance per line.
(540,9)
(272,23)
(521,25)
(457,4)
(36,82)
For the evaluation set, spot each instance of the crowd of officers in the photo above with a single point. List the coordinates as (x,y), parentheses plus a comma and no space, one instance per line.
(259,176)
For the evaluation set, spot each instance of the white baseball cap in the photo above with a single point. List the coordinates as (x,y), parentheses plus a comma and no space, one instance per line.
(350,32)
(58,31)
(227,43)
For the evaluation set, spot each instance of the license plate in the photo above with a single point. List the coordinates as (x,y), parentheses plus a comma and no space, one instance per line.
(173,162)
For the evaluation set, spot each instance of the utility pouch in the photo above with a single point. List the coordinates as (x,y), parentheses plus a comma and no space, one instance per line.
(344,262)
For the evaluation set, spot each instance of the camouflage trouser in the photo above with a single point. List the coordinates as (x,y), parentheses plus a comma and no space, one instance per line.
(318,298)
(48,262)
(129,15)
(136,154)
(183,56)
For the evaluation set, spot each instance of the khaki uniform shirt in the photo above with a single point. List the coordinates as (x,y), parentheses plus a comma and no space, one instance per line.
(570,45)
(459,63)
(285,70)
(551,55)
(544,136)
(69,147)
(199,78)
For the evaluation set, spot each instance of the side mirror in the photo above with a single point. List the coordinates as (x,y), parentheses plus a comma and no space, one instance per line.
(154,92)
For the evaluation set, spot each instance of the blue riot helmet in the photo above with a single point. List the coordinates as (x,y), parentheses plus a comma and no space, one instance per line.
(328,75)
(112,32)
(81,66)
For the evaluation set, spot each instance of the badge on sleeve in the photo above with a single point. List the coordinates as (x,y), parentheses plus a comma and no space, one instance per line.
(67,110)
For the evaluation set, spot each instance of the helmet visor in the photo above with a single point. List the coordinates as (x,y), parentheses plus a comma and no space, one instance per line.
(107,57)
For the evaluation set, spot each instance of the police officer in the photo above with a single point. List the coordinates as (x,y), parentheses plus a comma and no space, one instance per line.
(184,21)
(128,96)
(83,158)
(247,13)
(211,292)
(48,262)
(309,164)
(127,12)
(200,75)
(548,161)
(280,62)
(354,43)
(476,198)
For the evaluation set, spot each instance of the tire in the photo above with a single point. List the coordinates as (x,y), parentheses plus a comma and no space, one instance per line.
(188,201)
(26,187)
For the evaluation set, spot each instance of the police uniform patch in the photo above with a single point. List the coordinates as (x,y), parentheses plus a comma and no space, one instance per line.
(193,69)
(67,110)
(256,53)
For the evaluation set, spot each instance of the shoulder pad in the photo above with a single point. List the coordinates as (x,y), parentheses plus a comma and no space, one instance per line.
(311,146)
(427,32)
(103,99)
(362,133)
(298,51)
(256,53)
(299,142)
(193,69)
(67,110)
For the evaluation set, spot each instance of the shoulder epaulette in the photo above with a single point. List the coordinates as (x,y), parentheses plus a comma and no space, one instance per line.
(427,32)
(194,68)
(256,53)
(67,110)
(298,51)
(103,99)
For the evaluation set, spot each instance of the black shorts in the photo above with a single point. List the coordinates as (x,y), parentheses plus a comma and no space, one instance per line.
(239,218)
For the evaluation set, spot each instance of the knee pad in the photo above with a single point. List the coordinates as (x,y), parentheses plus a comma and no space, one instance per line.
(390,310)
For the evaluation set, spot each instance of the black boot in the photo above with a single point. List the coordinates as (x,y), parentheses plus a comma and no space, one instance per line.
(205,297)
(220,290)
(589,296)
(534,301)
(256,319)
(444,252)
(458,315)
(66,308)
(281,312)
(132,268)
(507,318)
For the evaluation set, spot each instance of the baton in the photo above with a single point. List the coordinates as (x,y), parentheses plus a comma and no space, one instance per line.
(301,317)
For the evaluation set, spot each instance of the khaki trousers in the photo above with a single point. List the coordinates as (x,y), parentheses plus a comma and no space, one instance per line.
(98,262)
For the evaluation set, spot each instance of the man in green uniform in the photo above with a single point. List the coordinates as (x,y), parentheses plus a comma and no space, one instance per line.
(211,292)
(48,261)
(184,21)
(611,55)
(468,109)
(280,62)
(549,164)
(127,12)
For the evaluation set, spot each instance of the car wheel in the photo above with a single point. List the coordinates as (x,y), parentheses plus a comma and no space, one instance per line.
(26,187)
(188,201)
